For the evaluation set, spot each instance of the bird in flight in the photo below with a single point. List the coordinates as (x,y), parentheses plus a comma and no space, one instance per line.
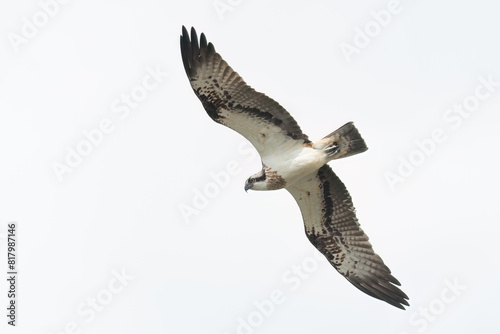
(293,162)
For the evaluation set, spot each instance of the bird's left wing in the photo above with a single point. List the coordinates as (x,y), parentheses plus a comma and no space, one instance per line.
(332,227)
(230,101)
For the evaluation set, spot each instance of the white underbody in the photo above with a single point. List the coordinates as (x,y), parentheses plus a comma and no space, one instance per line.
(296,162)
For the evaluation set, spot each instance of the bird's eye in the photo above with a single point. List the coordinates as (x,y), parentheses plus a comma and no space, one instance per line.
(251,180)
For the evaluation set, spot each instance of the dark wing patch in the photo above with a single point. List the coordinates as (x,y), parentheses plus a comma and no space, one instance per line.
(332,227)
(230,101)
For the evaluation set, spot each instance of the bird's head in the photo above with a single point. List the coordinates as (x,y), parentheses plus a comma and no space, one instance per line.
(256,181)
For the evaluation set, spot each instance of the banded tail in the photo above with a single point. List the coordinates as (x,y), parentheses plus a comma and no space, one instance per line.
(341,143)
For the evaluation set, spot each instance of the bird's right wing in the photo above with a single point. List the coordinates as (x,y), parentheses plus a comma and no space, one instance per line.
(332,227)
(228,100)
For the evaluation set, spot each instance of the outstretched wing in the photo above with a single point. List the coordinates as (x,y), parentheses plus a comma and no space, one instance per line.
(230,101)
(332,227)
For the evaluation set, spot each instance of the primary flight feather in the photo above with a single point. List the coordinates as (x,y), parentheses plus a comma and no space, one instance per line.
(291,161)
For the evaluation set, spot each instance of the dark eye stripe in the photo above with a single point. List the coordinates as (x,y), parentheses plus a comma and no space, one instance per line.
(261,178)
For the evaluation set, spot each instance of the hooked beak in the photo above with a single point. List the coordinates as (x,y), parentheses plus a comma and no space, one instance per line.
(248,186)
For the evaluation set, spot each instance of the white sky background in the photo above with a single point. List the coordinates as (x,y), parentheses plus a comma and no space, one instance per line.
(119,209)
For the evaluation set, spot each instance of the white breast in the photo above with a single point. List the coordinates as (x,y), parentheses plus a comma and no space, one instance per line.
(296,162)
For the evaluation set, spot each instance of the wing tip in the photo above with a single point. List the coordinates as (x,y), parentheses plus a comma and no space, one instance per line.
(387,292)
(186,53)
(194,50)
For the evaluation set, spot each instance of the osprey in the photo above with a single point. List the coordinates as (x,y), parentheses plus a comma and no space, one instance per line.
(291,161)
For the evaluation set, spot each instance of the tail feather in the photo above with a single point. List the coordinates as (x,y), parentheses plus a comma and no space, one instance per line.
(341,143)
